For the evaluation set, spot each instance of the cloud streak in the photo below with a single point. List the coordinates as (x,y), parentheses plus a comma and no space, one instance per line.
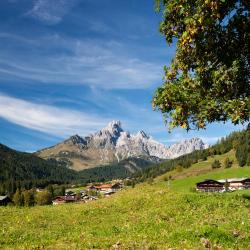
(107,65)
(50,12)
(48,119)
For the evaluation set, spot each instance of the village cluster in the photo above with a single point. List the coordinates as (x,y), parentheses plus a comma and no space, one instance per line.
(91,193)
(223,185)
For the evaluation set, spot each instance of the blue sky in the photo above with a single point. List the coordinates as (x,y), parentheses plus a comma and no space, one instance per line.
(71,66)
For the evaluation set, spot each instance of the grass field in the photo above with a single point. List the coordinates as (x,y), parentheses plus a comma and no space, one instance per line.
(149,216)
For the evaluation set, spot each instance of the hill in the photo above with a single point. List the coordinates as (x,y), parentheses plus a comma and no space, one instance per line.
(18,169)
(118,170)
(149,216)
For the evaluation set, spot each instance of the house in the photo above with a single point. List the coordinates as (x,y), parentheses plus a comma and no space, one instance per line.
(223,185)
(246,183)
(101,188)
(58,200)
(70,198)
(117,186)
(236,183)
(209,186)
(5,200)
(87,198)
(70,193)
(64,199)
(91,188)
(106,187)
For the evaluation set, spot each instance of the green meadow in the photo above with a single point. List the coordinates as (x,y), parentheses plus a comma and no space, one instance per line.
(158,215)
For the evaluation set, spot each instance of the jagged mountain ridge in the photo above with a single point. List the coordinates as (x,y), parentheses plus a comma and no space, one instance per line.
(113,144)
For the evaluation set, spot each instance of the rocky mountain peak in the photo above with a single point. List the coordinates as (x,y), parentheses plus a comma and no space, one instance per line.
(112,144)
(76,139)
(142,134)
(114,127)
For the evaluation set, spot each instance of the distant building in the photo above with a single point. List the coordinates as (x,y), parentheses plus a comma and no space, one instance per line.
(223,184)
(59,200)
(237,183)
(5,200)
(70,193)
(209,186)
(64,199)
(106,187)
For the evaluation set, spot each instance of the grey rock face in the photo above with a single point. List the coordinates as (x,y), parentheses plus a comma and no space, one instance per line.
(124,145)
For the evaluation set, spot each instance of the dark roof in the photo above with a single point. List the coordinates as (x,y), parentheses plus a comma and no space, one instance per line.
(3,197)
(208,181)
(232,180)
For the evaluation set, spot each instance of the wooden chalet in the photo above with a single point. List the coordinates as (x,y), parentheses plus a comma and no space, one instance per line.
(117,186)
(64,199)
(5,200)
(70,198)
(58,200)
(246,183)
(209,186)
(236,183)
(223,185)
(106,187)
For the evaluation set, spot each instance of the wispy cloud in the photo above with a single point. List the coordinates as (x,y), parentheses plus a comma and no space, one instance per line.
(108,65)
(50,11)
(48,119)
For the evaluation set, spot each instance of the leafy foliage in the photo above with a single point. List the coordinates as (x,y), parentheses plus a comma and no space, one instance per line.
(208,79)
(43,198)
(243,149)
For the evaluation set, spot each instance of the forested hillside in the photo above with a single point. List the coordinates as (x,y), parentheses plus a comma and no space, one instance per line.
(237,141)
(122,169)
(25,170)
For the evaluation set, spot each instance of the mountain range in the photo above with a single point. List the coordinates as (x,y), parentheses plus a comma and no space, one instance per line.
(112,144)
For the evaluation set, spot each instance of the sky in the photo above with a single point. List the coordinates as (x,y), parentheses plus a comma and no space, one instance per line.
(71,66)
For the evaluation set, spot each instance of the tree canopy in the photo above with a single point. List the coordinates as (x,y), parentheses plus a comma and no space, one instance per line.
(209,77)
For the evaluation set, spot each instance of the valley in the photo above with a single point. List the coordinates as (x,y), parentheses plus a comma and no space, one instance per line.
(154,215)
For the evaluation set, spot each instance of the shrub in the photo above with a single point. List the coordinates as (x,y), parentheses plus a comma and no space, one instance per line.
(28,198)
(216,164)
(18,198)
(228,163)
(43,198)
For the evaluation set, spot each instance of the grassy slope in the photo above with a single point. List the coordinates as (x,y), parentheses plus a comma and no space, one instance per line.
(147,217)
(187,178)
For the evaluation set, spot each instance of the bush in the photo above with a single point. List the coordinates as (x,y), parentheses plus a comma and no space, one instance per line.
(43,198)
(228,163)
(28,198)
(216,164)
(179,168)
(18,198)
